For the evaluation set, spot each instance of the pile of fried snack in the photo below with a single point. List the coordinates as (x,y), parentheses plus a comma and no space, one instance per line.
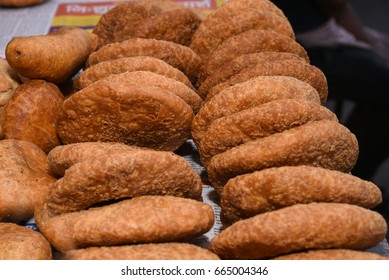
(91,122)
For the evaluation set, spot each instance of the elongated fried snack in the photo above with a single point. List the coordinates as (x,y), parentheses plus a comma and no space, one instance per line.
(24,179)
(54,57)
(62,157)
(301,227)
(181,57)
(288,67)
(157,251)
(122,175)
(273,188)
(258,122)
(20,3)
(112,110)
(22,243)
(128,64)
(332,254)
(249,42)
(248,94)
(32,112)
(143,219)
(323,143)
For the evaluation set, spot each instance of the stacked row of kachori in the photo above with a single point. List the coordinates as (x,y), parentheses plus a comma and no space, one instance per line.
(276,156)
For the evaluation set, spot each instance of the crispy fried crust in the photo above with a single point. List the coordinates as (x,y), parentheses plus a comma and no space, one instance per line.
(301,227)
(32,113)
(324,143)
(152,219)
(258,122)
(181,57)
(128,64)
(64,156)
(161,251)
(273,188)
(256,91)
(332,254)
(25,179)
(122,175)
(251,41)
(20,3)
(114,110)
(238,64)
(288,67)
(21,243)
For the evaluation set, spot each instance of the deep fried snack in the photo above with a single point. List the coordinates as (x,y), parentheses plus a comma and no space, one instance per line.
(251,41)
(248,94)
(121,22)
(218,29)
(25,179)
(181,57)
(152,219)
(273,188)
(301,227)
(112,110)
(324,143)
(54,57)
(22,243)
(122,175)
(20,3)
(176,25)
(258,122)
(238,64)
(128,64)
(156,251)
(62,157)
(32,113)
(332,254)
(288,67)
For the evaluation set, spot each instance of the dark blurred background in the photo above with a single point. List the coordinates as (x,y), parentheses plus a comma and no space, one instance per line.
(375,13)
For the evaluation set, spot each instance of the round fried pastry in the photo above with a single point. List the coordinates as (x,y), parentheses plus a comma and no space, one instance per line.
(262,191)
(128,64)
(153,219)
(114,110)
(301,227)
(156,251)
(121,175)
(288,67)
(324,143)
(21,243)
(32,112)
(258,122)
(181,57)
(253,92)
(332,254)
(251,41)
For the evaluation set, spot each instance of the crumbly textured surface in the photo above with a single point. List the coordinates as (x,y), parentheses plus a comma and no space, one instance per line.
(32,113)
(258,122)
(323,143)
(24,181)
(301,227)
(238,64)
(143,219)
(21,243)
(128,64)
(64,156)
(156,251)
(217,29)
(288,67)
(54,57)
(332,254)
(181,57)
(251,93)
(273,188)
(249,42)
(114,110)
(121,175)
